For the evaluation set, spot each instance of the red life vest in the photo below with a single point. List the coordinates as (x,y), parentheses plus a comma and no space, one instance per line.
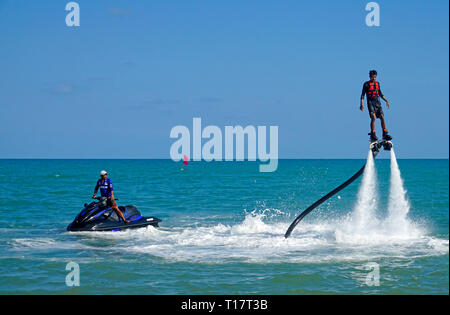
(374,89)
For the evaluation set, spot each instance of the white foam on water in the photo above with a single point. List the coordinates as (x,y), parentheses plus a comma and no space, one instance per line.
(42,244)
(254,240)
(358,236)
(34,242)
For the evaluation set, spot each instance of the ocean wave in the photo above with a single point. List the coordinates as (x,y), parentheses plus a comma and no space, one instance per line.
(256,240)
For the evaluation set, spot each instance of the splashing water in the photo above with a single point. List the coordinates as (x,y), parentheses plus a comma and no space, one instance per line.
(398,206)
(253,240)
(364,213)
(364,227)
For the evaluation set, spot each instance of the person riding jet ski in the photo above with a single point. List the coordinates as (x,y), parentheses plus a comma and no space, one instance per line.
(106,190)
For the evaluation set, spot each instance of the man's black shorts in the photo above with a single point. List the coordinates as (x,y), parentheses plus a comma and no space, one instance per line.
(374,106)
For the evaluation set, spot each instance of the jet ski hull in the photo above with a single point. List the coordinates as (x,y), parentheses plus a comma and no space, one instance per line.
(94,217)
(114,226)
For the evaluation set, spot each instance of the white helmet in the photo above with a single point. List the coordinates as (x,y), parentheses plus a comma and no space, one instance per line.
(103,173)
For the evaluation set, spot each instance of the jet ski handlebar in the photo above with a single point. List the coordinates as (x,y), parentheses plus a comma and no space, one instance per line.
(103,198)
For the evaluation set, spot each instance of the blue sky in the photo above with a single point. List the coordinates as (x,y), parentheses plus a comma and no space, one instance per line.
(115,86)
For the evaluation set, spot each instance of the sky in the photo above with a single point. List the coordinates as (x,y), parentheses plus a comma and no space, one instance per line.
(115,86)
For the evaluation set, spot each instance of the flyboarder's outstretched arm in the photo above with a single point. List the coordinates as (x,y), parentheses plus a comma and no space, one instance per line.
(364,90)
(387,102)
(384,98)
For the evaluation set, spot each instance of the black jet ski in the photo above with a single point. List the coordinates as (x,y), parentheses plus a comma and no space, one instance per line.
(97,216)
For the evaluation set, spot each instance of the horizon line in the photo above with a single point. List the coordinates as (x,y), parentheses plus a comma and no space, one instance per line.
(246,160)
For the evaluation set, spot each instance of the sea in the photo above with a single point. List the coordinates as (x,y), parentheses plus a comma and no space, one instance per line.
(223,225)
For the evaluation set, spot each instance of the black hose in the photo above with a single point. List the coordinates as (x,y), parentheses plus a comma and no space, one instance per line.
(327,196)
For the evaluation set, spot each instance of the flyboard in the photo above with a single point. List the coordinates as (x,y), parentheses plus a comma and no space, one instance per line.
(375,146)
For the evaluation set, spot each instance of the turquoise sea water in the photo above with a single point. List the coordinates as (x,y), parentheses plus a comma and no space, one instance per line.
(222,229)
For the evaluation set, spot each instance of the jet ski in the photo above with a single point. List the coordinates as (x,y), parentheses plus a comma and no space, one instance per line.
(97,216)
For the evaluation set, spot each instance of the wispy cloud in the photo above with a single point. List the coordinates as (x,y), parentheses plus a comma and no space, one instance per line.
(128,64)
(98,78)
(162,101)
(157,104)
(209,100)
(119,11)
(62,88)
